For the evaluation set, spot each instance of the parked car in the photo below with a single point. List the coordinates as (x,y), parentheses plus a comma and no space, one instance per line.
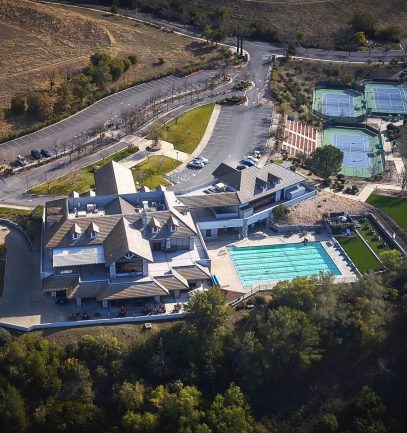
(241,166)
(248,162)
(201,159)
(196,165)
(46,153)
(251,157)
(21,161)
(36,154)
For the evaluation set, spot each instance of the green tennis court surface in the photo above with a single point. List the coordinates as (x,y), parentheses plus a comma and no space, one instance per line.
(362,150)
(386,98)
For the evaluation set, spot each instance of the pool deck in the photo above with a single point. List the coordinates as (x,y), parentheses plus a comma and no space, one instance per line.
(224,269)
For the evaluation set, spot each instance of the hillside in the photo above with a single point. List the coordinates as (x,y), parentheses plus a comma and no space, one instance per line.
(316,19)
(39,43)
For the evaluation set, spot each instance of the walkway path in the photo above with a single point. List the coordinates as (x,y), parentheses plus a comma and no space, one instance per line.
(367,190)
(167,149)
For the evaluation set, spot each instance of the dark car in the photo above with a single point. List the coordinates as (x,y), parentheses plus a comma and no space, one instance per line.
(36,154)
(46,153)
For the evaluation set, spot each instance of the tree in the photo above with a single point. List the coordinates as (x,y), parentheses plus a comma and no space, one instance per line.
(40,105)
(280,211)
(18,104)
(229,413)
(326,161)
(12,408)
(392,260)
(131,396)
(360,39)
(114,10)
(101,75)
(290,340)
(66,416)
(210,315)
(83,87)
(140,423)
(33,361)
(207,33)
(156,133)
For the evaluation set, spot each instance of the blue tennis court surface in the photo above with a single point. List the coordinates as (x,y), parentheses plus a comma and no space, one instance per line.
(355,149)
(390,98)
(338,105)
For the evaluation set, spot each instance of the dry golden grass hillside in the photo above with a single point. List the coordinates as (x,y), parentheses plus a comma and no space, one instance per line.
(37,40)
(315,18)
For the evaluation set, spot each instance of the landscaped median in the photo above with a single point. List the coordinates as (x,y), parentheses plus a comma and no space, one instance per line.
(359,253)
(81,180)
(186,131)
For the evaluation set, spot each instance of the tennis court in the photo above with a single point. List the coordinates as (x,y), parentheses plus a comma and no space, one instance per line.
(338,103)
(362,150)
(386,98)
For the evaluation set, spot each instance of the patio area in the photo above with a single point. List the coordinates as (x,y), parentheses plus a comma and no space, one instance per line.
(224,269)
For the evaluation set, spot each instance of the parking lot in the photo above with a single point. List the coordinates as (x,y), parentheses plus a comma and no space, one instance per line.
(238,132)
(81,126)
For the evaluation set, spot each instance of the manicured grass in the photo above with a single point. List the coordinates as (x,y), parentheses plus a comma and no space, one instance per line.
(149,173)
(359,253)
(2,275)
(374,245)
(81,180)
(186,132)
(395,207)
(10,213)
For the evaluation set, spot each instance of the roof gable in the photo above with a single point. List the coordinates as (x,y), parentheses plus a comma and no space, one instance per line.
(124,239)
(113,178)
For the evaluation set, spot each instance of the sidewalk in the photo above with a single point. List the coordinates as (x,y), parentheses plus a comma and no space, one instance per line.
(167,149)
(367,190)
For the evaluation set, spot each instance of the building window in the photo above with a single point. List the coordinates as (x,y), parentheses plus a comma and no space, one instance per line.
(75,236)
(208,233)
(173,228)
(129,255)
(155,229)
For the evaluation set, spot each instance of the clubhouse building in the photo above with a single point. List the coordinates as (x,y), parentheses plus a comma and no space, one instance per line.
(117,243)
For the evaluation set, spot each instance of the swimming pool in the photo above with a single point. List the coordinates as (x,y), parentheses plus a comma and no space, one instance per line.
(281,262)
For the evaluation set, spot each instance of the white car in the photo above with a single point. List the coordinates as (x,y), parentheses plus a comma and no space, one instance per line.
(201,159)
(196,165)
(252,158)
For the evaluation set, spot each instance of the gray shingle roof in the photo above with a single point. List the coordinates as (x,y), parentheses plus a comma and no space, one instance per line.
(60,282)
(195,272)
(119,206)
(123,239)
(113,178)
(211,200)
(133,290)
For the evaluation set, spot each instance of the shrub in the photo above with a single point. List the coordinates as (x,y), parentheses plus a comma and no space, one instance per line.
(1,114)
(280,212)
(3,248)
(17,104)
(133,59)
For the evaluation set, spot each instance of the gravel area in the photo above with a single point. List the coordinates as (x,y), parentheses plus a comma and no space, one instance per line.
(311,211)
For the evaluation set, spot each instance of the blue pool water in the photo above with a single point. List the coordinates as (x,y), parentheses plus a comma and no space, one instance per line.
(281,262)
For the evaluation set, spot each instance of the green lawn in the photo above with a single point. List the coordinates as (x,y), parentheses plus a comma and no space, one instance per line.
(12,214)
(2,274)
(81,180)
(359,253)
(186,132)
(149,173)
(395,207)
(364,232)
